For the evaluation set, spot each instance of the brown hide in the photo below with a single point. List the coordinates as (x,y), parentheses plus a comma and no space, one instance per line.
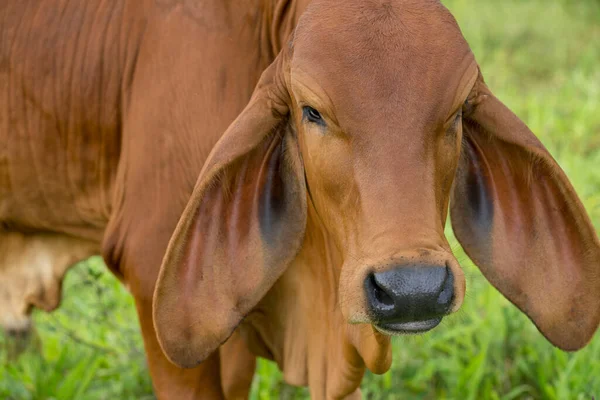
(380,154)
(137,128)
(109,110)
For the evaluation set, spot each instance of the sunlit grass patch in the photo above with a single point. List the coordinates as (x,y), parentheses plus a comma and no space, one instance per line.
(90,348)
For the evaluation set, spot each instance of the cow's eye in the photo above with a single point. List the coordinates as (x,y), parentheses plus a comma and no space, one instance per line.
(312,115)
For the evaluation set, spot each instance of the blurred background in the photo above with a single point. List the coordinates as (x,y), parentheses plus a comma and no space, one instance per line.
(541,58)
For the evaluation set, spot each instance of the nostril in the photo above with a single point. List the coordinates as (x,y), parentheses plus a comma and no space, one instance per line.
(379,293)
(447,291)
(410,293)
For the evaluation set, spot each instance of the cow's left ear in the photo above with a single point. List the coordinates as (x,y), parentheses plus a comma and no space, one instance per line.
(242,226)
(519,219)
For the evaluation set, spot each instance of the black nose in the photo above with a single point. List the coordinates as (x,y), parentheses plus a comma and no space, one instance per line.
(410,298)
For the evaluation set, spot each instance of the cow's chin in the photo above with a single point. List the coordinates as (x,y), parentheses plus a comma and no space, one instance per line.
(407,328)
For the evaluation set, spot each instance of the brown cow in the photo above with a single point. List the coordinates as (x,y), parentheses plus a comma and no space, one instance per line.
(322,208)
(318,216)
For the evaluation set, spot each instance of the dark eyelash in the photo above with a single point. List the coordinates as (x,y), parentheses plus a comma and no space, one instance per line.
(312,115)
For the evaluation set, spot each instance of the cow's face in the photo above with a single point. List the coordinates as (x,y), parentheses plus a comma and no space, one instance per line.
(377,107)
(368,126)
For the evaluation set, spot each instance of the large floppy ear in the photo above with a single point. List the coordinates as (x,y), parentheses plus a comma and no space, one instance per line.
(518,218)
(243,225)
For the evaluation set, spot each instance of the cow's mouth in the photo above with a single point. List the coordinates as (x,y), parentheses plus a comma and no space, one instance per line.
(407,328)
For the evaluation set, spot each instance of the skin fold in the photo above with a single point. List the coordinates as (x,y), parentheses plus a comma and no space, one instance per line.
(174,137)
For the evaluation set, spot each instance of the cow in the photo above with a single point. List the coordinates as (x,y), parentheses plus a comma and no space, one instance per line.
(272,178)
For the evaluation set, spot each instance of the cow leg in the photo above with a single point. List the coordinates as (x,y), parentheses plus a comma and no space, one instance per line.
(237,367)
(170,381)
(137,266)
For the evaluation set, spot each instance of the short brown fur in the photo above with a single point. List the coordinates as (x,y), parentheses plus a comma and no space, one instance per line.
(175,129)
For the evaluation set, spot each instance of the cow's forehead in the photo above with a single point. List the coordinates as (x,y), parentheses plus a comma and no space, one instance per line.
(398,53)
(371,20)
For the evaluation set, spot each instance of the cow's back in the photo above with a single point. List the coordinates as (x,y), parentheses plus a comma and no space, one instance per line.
(63,71)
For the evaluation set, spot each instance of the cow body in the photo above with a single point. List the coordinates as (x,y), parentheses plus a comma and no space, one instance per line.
(60,129)
(245,184)
(108,112)
(67,74)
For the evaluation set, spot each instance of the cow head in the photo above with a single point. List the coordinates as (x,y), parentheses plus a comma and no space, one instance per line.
(357,139)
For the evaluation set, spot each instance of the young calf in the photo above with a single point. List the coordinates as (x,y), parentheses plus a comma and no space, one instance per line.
(317,223)
(314,223)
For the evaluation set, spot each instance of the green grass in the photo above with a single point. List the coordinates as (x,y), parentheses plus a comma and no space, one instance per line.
(542,58)
(90,348)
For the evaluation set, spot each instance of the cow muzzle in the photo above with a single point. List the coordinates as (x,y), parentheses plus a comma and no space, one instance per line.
(409,299)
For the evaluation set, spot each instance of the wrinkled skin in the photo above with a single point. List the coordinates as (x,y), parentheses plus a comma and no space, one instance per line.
(109,110)
(137,129)
(343,165)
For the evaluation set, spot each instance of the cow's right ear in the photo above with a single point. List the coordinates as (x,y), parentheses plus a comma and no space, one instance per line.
(242,226)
